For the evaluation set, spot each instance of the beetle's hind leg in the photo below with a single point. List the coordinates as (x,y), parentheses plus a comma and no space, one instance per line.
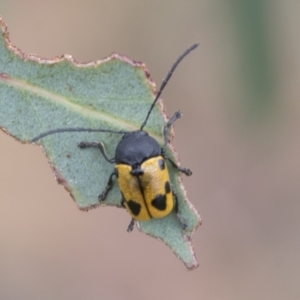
(181,220)
(131,225)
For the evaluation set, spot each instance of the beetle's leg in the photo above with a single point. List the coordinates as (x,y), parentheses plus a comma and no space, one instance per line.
(176,116)
(131,225)
(181,220)
(186,171)
(109,184)
(100,146)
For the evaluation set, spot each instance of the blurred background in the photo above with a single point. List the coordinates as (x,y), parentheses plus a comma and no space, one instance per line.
(239,92)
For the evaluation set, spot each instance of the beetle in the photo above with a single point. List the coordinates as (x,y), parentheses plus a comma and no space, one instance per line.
(140,166)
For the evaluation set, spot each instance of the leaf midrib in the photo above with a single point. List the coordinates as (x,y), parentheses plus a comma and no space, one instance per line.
(53,97)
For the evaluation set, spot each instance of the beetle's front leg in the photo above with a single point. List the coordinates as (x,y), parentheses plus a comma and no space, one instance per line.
(99,146)
(175,117)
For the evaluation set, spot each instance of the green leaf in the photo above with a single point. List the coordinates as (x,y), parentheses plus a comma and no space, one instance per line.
(37,95)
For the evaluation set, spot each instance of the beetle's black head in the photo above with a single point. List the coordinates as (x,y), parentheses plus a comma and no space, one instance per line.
(136,147)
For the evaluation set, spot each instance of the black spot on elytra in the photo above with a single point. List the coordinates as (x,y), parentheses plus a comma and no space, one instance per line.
(134,207)
(161,164)
(167,187)
(160,202)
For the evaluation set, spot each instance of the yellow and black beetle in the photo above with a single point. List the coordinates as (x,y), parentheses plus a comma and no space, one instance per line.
(140,166)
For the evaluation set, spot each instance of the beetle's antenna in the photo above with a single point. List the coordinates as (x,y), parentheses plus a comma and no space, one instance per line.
(164,83)
(74,129)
